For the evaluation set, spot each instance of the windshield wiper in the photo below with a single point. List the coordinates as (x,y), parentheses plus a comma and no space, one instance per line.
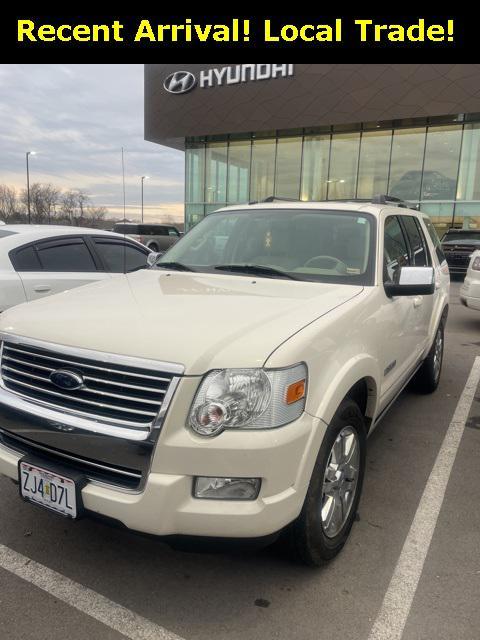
(255,269)
(175,266)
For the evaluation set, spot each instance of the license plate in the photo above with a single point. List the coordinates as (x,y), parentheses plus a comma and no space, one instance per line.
(48,489)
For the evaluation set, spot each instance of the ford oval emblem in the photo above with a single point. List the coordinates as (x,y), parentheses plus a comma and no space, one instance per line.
(65,379)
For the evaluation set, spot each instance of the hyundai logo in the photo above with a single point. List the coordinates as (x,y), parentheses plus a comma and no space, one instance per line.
(68,380)
(180,82)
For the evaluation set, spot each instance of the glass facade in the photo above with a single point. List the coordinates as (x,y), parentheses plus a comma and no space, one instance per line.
(434,164)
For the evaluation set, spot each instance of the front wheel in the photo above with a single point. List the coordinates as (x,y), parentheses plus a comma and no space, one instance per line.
(428,376)
(330,506)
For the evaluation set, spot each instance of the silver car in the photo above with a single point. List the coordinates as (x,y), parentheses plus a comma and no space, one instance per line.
(157,237)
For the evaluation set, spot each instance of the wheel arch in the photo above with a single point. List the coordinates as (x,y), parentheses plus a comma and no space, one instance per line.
(359,380)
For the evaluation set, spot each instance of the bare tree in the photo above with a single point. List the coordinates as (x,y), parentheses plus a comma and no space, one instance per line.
(43,200)
(9,205)
(95,215)
(48,203)
(76,207)
(69,205)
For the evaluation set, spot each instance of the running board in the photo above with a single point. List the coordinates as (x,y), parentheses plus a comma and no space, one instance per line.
(384,411)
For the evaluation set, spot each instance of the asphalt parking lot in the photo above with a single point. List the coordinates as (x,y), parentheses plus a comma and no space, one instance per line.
(86,569)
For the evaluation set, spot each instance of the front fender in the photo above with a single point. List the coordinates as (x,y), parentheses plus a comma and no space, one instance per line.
(360,367)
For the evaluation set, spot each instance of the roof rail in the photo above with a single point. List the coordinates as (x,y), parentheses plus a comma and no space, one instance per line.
(386,199)
(275,198)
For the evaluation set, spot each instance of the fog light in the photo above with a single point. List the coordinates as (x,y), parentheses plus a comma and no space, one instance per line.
(226,488)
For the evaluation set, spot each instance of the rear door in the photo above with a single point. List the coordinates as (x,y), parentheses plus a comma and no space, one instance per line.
(419,257)
(398,315)
(54,265)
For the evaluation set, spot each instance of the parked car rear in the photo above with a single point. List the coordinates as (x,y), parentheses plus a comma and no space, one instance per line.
(157,237)
(470,291)
(458,246)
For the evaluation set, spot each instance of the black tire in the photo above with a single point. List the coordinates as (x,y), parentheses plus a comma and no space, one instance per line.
(428,376)
(153,246)
(307,537)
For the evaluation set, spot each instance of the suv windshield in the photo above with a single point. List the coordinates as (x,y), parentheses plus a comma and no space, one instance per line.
(312,245)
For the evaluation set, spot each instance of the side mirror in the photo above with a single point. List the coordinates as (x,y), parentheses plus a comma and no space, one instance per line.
(153,257)
(412,281)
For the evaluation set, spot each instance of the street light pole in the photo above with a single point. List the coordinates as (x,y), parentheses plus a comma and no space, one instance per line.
(29,153)
(143,180)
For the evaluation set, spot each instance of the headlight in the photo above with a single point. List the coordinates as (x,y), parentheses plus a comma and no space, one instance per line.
(248,399)
(476,264)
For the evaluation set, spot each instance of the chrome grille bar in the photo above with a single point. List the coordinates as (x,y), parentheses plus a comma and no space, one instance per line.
(50,369)
(90,390)
(82,400)
(81,364)
(115,390)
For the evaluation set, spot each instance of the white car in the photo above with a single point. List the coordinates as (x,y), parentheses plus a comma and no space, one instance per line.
(470,289)
(39,260)
(229,390)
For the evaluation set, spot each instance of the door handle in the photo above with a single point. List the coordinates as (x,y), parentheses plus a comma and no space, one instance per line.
(418,301)
(41,288)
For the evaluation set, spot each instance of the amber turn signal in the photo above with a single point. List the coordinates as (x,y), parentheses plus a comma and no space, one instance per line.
(295,391)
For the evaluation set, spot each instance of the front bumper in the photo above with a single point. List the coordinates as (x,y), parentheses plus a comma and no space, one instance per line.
(283,458)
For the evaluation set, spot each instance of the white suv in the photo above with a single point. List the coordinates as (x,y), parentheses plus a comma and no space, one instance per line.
(229,390)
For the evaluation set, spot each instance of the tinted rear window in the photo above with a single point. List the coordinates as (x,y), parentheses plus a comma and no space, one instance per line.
(434,237)
(126,228)
(152,230)
(119,257)
(70,255)
(25,259)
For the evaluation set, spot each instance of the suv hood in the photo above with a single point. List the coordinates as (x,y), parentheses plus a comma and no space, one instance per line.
(202,321)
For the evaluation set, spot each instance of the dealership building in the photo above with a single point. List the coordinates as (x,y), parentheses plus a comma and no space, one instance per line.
(322,132)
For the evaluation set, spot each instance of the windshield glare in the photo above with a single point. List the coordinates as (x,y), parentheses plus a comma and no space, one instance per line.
(314,245)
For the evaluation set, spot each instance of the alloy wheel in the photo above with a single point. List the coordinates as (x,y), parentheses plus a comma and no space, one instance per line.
(340,481)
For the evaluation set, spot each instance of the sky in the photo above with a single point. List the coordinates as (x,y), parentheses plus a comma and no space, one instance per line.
(77,118)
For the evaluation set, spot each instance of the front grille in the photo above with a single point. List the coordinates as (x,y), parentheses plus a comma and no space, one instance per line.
(111,392)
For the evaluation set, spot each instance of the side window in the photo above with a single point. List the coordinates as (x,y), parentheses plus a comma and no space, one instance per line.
(71,254)
(119,257)
(434,237)
(395,249)
(418,247)
(25,259)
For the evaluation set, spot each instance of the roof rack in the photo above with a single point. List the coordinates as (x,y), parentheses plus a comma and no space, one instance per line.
(377,199)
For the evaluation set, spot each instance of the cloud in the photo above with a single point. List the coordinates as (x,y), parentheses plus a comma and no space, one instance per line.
(78,117)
